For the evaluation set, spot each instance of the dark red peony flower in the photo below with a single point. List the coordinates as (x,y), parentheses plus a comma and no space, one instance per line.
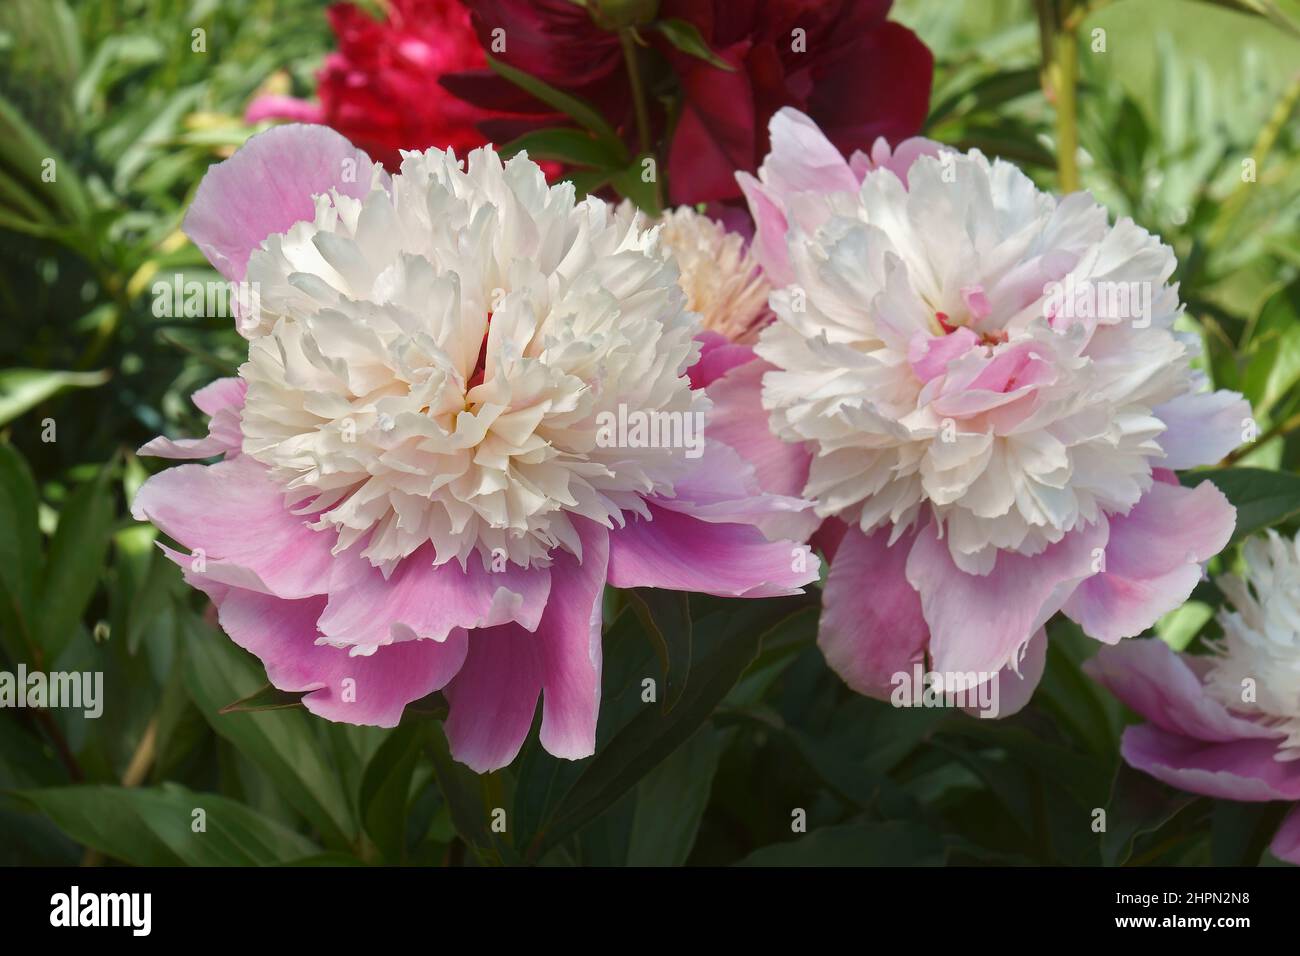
(380,88)
(556,41)
(856,74)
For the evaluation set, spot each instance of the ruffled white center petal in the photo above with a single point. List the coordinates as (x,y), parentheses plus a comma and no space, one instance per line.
(720,277)
(432,362)
(1257,670)
(953,346)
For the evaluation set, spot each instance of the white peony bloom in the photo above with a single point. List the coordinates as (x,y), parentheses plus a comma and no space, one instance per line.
(1257,669)
(432,360)
(958,344)
(720,277)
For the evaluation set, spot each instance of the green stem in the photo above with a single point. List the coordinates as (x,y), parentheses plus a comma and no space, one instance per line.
(638,91)
(1061,79)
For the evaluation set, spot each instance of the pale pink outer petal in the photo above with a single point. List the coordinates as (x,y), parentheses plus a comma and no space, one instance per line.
(1153,559)
(738,419)
(1286,842)
(569,647)
(1160,685)
(266,187)
(802,161)
(898,160)
(222,401)
(978,622)
(235,514)
(724,488)
(1237,770)
(871,625)
(1202,427)
(419,600)
(679,552)
(493,698)
(1016,685)
(770,226)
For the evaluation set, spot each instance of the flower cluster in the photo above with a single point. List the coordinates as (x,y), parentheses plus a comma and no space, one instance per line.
(972,397)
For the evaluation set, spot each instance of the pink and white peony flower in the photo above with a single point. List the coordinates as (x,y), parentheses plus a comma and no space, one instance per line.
(987,444)
(1226,725)
(416,492)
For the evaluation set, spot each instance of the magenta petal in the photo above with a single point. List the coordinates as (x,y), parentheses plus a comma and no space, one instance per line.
(1153,559)
(234,514)
(569,649)
(493,697)
(1238,770)
(1286,842)
(353,689)
(266,187)
(978,622)
(871,626)
(681,553)
(718,356)
(1149,678)
(419,600)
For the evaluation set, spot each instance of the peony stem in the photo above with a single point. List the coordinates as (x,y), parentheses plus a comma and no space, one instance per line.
(1058,26)
(638,91)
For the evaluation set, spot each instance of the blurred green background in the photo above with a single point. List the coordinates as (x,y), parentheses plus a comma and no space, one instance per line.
(1168,103)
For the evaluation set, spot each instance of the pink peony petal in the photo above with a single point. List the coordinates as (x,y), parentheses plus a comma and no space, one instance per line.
(898,160)
(493,697)
(1238,770)
(725,488)
(1149,678)
(222,401)
(738,419)
(353,689)
(871,626)
(978,622)
(1153,559)
(273,107)
(929,356)
(718,356)
(770,227)
(266,187)
(803,159)
(569,648)
(419,600)
(1016,685)
(1286,842)
(233,513)
(682,553)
